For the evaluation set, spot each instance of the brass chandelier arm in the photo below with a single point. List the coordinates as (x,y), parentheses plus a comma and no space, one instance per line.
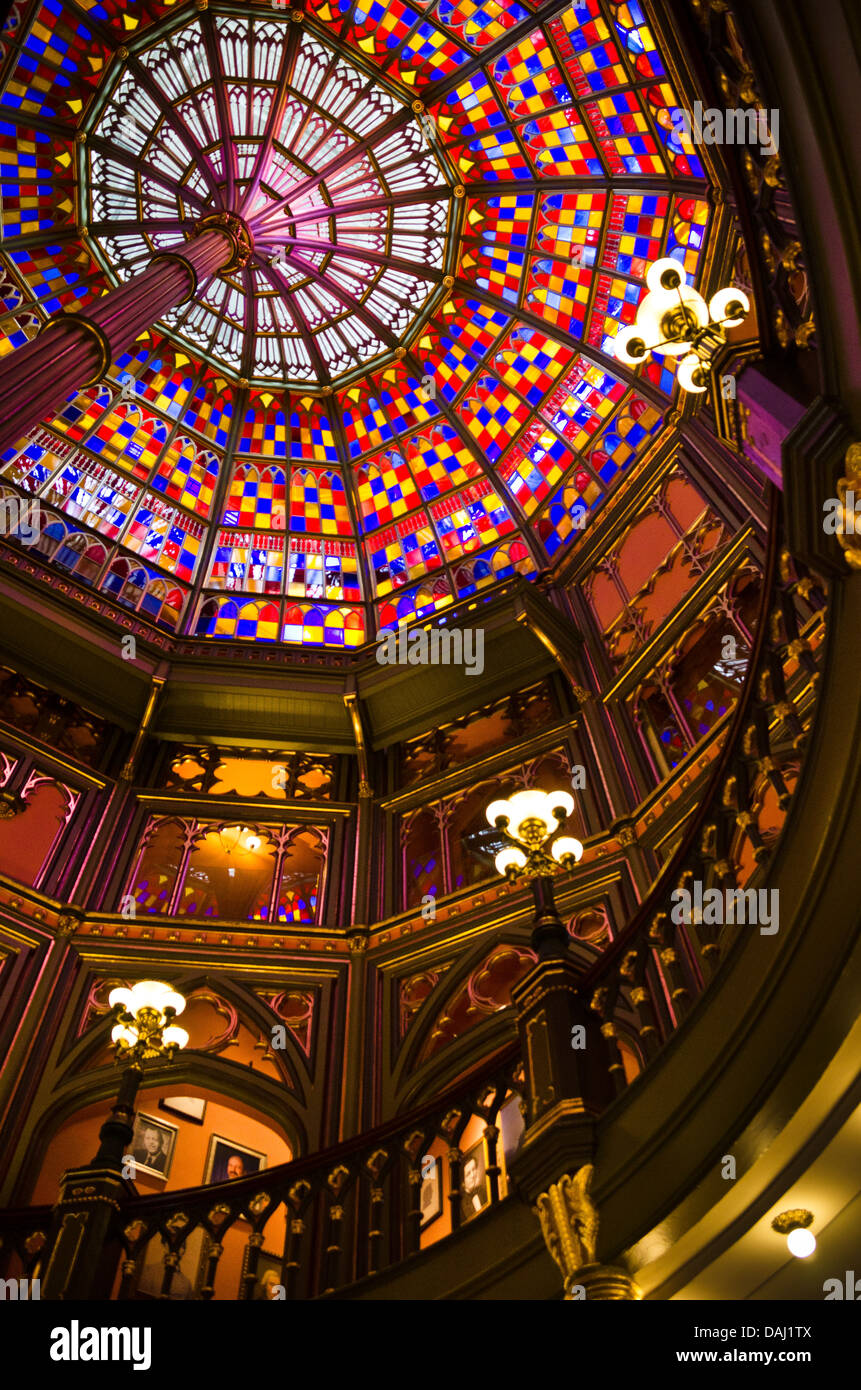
(533,839)
(674,320)
(149,1025)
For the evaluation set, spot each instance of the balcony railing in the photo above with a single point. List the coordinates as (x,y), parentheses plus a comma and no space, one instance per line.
(356,1209)
(340,1214)
(656,968)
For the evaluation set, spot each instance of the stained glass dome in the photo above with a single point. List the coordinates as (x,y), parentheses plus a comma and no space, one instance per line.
(345,190)
(409,392)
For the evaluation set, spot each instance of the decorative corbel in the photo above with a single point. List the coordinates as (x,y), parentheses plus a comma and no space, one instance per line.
(569,1224)
(70,920)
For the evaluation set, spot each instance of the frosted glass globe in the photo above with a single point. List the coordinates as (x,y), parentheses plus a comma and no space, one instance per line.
(801,1243)
(507,858)
(530,805)
(565,845)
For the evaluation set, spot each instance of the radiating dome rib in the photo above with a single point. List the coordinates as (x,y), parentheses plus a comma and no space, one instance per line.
(417,255)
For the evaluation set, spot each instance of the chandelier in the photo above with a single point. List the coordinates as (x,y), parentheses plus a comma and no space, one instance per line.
(529,821)
(145,1029)
(674,321)
(233,838)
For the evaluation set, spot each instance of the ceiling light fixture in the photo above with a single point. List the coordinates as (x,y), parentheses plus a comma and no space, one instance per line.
(794,1225)
(239,838)
(675,321)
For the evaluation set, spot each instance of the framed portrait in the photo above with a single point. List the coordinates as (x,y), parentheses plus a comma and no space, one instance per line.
(430,1193)
(185,1107)
(268,1276)
(511,1126)
(474,1195)
(227,1160)
(189,1274)
(152,1146)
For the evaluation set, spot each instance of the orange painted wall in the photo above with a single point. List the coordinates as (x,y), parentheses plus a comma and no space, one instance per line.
(26,841)
(441,1226)
(77,1141)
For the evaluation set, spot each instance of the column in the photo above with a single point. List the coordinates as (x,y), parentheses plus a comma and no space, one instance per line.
(85,1246)
(566,1059)
(75,350)
(354,1081)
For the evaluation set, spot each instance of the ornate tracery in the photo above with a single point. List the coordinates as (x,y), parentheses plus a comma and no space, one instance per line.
(449,213)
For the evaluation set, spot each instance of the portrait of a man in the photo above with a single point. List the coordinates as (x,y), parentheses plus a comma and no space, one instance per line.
(473,1183)
(152,1145)
(268,1288)
(227,1161)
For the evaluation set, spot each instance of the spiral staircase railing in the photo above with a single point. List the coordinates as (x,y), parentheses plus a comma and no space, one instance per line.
(354,1209)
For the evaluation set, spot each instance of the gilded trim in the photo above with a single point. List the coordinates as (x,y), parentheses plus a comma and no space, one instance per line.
(186,265)
(57,320)
(551,1117)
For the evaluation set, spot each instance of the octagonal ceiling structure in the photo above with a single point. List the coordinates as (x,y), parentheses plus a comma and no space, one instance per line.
(345,191)
(409,392)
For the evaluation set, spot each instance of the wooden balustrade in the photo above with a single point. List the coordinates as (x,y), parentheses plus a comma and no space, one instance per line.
(354,1210)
